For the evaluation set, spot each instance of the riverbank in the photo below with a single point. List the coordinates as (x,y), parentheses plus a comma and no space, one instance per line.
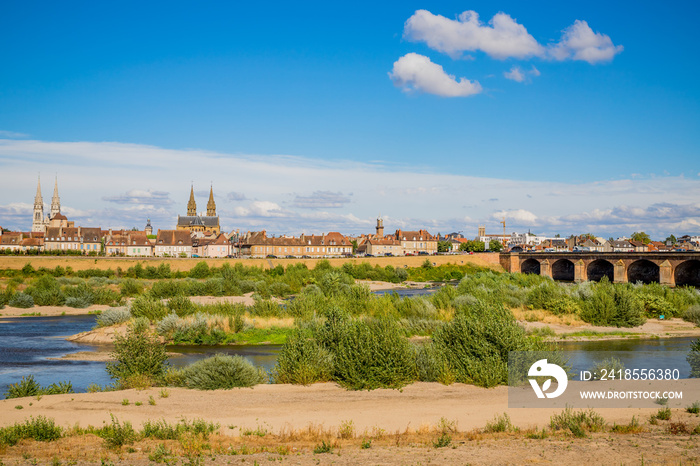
(652,328)
(401,426)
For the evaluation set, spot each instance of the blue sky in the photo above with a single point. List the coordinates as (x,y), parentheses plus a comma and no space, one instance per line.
(315,116)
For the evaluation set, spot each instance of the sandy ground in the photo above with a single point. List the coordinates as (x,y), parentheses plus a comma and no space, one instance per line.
(280,409)
(652,328)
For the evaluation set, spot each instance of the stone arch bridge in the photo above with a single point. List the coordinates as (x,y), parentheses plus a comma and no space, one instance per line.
(667,268)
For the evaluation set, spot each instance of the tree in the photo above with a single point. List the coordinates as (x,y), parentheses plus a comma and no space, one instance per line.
(354,246)
(495,245)
(641,236)
(472,246)
(671,239)
(443,246)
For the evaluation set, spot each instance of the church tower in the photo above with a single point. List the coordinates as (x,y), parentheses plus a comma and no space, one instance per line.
(380,227)
(211,205)
(38,219)
(55,201)
(191,205)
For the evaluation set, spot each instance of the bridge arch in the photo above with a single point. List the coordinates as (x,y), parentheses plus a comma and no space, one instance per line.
(688,273)
(530,266)
(644,271)
(600,268)
(563,270)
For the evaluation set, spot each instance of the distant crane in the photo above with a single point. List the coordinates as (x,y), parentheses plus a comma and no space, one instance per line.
(504,230)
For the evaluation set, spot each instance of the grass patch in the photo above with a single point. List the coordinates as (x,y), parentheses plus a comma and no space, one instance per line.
(577,423)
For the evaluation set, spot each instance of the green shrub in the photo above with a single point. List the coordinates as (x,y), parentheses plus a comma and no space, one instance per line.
(78,302)
(25,387)
(265,308)
(693,408)
(655,306)
(181,305)
(577,423)
(692,314)
(663,414)
(30,387)
(40,429)
(477,341)
(163,431)
(111,317)
(500,423)
(373,354)
(130,287)
(137,353)
(116,434)
(613,305)
(302,361)
(221,372)
(201,270)
(21,300)
(693,359)
(144,306)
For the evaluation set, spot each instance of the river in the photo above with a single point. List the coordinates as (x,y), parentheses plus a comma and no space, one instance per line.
(29,344)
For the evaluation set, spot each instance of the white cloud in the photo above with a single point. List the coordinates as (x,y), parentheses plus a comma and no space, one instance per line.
(236,196)
(515,74)
(519,217)
(579,42)
(321,200)
(138,196)
(13,135)
(261,209)
(502,38)
(518,75)
(416,73)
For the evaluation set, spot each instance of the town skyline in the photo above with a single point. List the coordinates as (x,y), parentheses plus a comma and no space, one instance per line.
(313,118)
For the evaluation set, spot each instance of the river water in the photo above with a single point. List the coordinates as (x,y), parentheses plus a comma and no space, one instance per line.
(28,344)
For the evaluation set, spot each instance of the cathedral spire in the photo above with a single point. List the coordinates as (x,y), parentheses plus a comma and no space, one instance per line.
(38,216)
(38,200)
(191,205)
(55,201)
(211,205)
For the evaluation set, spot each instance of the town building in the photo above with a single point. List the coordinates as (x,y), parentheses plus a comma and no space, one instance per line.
(128,243)
(416,242)
(173,243)
(194,222)
(258,244)
(83,239)
(212,246)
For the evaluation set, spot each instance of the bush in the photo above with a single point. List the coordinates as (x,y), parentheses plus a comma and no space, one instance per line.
(116,434)
(130,287)
(181,305)
(144,306)
(577,423)
(692,314)
(78,302)
(373,354)
(30,387)
(137,353)
(221,372)
(613,305)
(40,429)
(25,387)
(693,359)
(611,366)
(500,424)
(302,361)
(161,430)
(111,317)
(476,343)
(21,300)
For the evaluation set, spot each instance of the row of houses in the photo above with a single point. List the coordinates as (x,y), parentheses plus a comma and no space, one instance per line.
(94,241)
(588,244)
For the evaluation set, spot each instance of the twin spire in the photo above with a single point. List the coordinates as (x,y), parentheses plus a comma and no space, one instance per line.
(192,205)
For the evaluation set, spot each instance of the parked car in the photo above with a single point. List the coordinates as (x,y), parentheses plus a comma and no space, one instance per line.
(271,256)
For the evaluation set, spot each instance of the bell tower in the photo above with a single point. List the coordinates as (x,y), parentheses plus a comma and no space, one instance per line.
(211,205)
(191,205)
(380,227)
